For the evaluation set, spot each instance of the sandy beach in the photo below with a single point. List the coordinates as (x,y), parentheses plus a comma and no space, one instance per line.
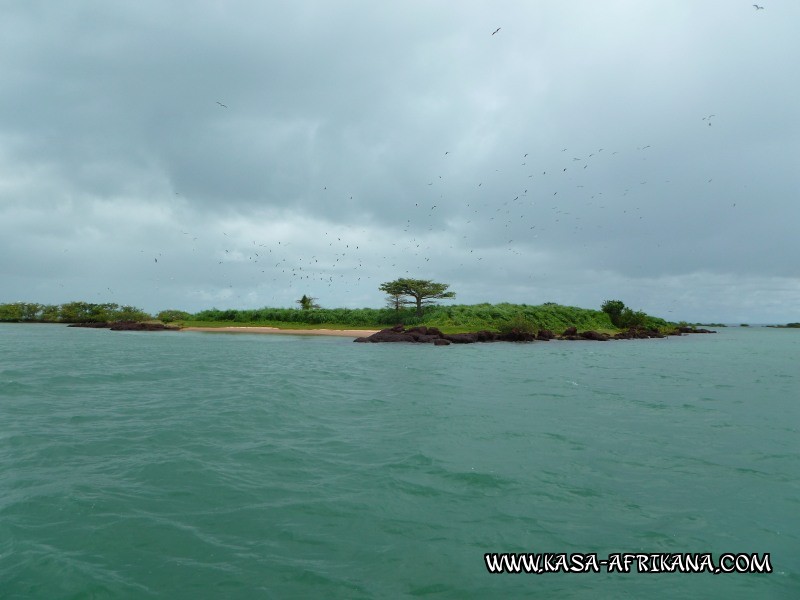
(353,333)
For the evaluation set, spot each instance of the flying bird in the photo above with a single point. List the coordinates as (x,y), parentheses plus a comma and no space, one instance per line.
(498,29)
(757,7)
(222,105)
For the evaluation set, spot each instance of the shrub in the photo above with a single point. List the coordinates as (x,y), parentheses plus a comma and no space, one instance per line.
(518,324)
(168,316)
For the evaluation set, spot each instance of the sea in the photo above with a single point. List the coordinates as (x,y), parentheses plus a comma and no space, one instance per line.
(201,465)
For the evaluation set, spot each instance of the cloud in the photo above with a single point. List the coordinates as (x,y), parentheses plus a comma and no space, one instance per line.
(570,157)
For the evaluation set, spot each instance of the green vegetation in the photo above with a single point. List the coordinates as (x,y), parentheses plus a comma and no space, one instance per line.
(451,319)
(422,291)
(72,312)
(170,316)
(614,308)
(307,302)
(623,317)
(519,323)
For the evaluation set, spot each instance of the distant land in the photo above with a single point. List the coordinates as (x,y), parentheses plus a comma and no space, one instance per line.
(451,318)
(455,318)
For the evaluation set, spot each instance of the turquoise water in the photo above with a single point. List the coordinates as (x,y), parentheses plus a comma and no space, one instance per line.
(192,465)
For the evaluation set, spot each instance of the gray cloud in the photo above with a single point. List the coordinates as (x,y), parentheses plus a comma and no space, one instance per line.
(567,158)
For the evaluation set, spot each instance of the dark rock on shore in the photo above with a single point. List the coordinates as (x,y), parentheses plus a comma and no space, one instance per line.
(595,335)
(418,335)
(127,326)
(638,334)
(137,326)
(431,335)
(423,335)
(427,335)
(515,335)
(470,338)
(693,330)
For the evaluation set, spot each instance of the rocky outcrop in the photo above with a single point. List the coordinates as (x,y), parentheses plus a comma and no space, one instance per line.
(693,330)
(127,326)
(138,326)
(431,335)
(515,335)
(426,335)
(471,338)
(638,334)
(594,335)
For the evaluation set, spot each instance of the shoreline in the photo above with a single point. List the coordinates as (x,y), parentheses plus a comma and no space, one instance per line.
(354,333)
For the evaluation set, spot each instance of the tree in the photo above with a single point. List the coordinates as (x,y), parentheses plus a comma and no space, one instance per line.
(50,313)
(632,319)
(170,315)
(307,302)
(613,308)
(395,292)
(423,291)
(130,313)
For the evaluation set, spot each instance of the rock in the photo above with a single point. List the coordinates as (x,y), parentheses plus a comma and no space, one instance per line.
(460,338)
(515,335)
(470,338)
(432,335)
(595,335)
(389,335)
(423,335)
(429,335)
(101,325)
(138,326)
(638,334)
(694,330)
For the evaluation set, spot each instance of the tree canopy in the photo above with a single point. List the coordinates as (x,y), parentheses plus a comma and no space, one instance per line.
(71,312)
(422,292)
(613,308)
(307,302)
(622,316)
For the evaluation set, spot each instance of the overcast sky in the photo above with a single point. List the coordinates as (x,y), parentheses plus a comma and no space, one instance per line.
(240,154)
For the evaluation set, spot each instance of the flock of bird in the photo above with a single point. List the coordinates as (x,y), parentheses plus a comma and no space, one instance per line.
(469,218)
